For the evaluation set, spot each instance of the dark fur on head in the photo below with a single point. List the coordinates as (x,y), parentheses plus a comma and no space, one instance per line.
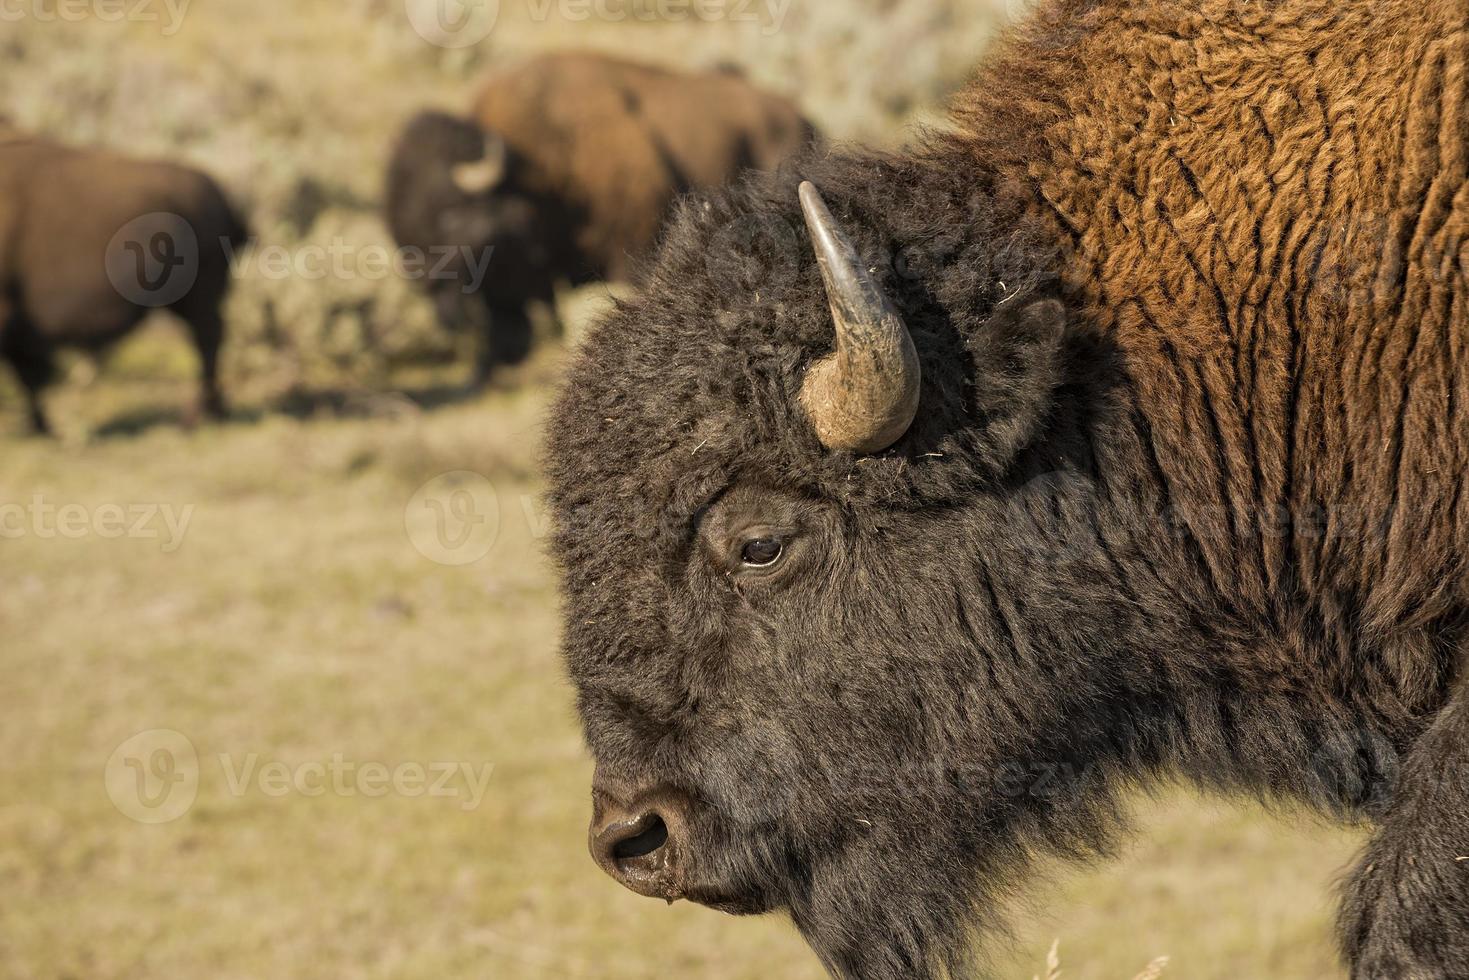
(1057,585)
(802,811)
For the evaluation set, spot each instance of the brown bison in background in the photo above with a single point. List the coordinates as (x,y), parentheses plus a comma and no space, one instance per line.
(91,241)
(566,171)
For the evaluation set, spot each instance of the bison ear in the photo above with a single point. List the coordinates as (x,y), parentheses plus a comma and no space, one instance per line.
(476,177)
(1017,365)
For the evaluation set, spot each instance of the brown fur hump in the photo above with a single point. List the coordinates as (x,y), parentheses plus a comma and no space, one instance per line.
(1267,205)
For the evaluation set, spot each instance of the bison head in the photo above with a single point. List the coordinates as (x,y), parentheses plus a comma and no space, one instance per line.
(485,207)
(823,616)
(455,192)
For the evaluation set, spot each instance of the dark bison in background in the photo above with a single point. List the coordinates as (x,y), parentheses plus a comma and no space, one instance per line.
(566,171)
(91,241)
(1118,435)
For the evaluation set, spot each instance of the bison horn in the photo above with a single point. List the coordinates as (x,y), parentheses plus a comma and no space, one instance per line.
(863,396)
(475,177)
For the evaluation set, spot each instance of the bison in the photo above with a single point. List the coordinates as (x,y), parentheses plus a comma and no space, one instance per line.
(565,172)
(91,241)
(922,505)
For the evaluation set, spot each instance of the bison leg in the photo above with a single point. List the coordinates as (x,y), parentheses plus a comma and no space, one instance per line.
(207,329)
(40,424)
(31,360)
(505,338)
(1406,909)
(510,334)
(457,311)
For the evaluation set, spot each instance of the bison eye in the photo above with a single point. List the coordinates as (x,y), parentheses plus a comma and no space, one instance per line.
(760,552)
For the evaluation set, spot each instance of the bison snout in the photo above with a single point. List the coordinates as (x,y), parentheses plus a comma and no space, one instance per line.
(641,845)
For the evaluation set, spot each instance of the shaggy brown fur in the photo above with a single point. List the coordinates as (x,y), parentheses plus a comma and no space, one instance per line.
(61,258)
(1212,525)
(1266,207)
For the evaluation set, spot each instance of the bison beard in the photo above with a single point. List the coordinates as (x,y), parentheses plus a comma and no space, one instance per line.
(1204,517)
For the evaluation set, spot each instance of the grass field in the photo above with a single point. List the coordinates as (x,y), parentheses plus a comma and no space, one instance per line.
(267,589)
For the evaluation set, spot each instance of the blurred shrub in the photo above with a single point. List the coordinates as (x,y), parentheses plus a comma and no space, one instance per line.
(865,68)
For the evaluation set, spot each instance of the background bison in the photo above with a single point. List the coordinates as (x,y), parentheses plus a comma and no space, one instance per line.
(1064,466)
(91,241)
(564,172)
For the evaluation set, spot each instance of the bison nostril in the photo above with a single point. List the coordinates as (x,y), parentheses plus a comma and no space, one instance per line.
(643,846)
(652,836)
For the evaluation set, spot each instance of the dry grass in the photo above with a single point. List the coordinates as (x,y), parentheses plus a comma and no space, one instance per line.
(1152,971)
